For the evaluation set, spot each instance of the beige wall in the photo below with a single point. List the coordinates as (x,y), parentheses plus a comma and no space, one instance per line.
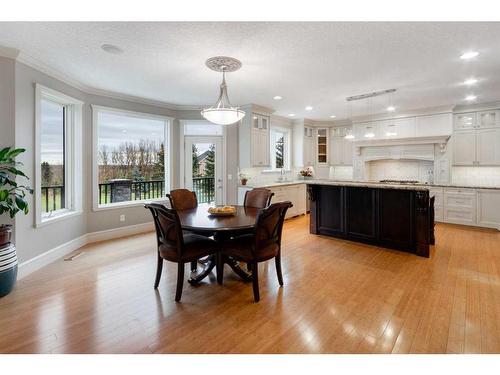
(17,106)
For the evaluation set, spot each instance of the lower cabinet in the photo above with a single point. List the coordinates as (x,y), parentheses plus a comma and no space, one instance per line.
(360,200)
(395,217)
(293,193)
(475,207)
(331,221)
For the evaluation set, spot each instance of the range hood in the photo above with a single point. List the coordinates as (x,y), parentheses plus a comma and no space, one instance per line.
(416,148)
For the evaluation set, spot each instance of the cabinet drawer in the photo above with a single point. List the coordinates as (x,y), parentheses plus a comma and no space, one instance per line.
(460,198)
(460,215)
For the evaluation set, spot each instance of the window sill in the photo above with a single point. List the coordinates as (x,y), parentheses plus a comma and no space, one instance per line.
(115,206)
(58,217)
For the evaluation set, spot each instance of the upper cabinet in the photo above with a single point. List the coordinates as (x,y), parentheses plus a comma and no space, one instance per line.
(433,125)
(254,138)
(476,139)
(407,127)
(308,149)
(322,146)
(340,147)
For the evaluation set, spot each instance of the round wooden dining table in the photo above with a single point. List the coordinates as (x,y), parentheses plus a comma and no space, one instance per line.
(222,227)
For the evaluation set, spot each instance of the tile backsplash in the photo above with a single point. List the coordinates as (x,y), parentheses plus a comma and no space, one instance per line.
(476,176)
(418,170)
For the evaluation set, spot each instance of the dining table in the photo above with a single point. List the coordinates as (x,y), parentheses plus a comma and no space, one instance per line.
(199,220)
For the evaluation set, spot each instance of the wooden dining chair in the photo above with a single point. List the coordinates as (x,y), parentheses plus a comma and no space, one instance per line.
(176,246)
(263,244)
(258,198)
(184,199)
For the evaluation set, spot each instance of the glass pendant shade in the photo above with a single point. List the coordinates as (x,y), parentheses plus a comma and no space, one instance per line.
(222,113)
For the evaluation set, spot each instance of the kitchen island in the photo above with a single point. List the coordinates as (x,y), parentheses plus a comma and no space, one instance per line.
(387,215)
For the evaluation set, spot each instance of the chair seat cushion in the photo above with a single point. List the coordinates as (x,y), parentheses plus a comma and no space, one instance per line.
(195,246)
(241,248)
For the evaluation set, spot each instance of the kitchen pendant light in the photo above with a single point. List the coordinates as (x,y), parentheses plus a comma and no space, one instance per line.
(223,113)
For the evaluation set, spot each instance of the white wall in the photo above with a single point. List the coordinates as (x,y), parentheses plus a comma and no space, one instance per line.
(7,111)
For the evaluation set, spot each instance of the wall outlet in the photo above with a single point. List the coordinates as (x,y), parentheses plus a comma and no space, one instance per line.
(122,217)
(229,177)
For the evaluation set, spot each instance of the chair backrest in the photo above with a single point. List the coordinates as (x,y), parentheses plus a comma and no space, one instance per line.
(182,199)
(168,227)
(269,225)
(258,198)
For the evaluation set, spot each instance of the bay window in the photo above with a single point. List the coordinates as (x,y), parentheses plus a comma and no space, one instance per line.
(131,157)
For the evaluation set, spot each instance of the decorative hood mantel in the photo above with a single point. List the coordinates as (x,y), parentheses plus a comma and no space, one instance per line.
(408,143)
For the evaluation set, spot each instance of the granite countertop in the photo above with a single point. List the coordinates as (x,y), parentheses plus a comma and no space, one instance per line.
(374,184)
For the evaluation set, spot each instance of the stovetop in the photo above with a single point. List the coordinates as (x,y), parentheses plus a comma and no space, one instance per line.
(399,181)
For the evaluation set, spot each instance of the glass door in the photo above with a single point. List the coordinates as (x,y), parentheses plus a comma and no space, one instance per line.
(203,168)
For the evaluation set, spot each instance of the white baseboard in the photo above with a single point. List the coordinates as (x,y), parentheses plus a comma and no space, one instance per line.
(34,264)
(60,251)
(110,234)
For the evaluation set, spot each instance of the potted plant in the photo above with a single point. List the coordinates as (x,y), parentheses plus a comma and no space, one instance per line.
(243,179)
(12,201)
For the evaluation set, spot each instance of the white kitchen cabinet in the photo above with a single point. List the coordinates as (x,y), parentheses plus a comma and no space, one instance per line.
(434,125)
(322,142)
(340,151)
(437,193)
(254,138)
(460,206)
(488,147)
(367,130)
(293,193)
(397,128)
(308,158)
(488,208)
(488,119)
(464,147)
(464,121)
(260,140)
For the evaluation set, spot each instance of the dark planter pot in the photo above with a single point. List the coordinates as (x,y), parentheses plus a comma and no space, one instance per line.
(5,234)
(8,261)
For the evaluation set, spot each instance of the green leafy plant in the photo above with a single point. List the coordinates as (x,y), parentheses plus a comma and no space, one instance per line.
(12,195)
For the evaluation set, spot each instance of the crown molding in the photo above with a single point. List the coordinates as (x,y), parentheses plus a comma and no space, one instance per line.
(476,107)
(54,73)
(10,53)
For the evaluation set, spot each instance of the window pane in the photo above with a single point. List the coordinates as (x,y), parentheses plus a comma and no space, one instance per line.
(279,149)
(52,156)
(131,157)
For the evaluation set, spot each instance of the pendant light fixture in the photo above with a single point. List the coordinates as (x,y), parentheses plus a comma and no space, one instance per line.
(223,113)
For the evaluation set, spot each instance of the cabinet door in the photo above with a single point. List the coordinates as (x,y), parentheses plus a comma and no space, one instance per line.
(488,214)
(464,148)
(396,217)
(337,151)
(347,152)
(330,214)
(432,125)
(322,146)
(255,148)
(361,212)
(488,146)
(264,122)
(264,147)
(464,121)
(488,119)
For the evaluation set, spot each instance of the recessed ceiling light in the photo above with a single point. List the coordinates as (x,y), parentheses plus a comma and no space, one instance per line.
(470,97)
(110,48)
(291,114)
(332,116)
(470,81)
(391,108)
(469,55)
(277,97)
(124,131)
(309,108)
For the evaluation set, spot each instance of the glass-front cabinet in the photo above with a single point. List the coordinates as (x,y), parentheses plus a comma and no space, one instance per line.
(322,146)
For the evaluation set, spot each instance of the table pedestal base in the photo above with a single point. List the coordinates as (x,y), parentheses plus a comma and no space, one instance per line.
(209,264)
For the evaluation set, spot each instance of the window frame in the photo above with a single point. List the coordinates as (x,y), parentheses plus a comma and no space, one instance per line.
(73,118)
(168,173)
(286,149)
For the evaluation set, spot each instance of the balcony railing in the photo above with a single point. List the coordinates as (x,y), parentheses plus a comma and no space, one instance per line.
(53,198)
(204,188)
(122,191)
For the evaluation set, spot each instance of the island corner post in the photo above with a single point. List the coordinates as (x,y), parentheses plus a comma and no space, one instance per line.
(393,217)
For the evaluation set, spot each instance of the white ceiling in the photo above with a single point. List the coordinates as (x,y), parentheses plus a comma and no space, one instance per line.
(316,64)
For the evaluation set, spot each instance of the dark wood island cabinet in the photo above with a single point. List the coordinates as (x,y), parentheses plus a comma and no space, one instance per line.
(396,217)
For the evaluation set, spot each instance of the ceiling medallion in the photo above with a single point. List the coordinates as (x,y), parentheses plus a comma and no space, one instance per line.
(223,113)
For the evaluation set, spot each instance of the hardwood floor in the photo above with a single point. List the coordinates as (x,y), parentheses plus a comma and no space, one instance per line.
(339,297)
